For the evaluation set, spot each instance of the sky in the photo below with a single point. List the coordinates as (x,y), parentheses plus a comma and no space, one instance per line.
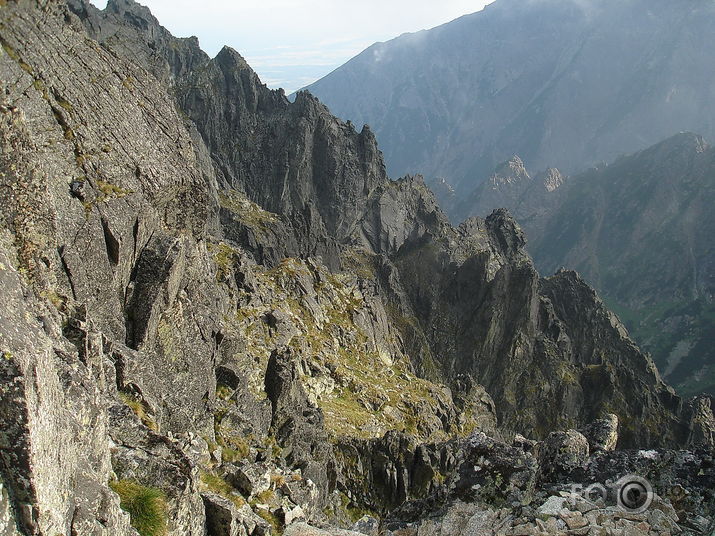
(291,43)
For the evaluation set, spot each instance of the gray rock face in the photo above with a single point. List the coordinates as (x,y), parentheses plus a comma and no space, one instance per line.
(367,525)
(701,420)
(91,180)
(303,529)
(8,525)
(295,160)
(399,213)
(52,418)
(454,101)
(223,518)
(564,452)
(140,455)
(491,312)
(297,424)
(250,479)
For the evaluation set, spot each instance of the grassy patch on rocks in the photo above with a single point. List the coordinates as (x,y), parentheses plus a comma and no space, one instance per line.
(146,506)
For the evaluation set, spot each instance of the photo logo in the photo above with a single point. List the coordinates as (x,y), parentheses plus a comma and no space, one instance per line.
(634,494)
(631,493)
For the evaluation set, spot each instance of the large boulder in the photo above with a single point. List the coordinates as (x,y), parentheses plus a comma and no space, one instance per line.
(563,452)
(602,434)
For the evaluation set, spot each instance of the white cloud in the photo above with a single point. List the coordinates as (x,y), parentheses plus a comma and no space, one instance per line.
(319,35)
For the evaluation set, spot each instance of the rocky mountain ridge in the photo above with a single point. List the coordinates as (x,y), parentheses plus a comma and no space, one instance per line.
(216,300)
(510,185)
(400,220)
(612,224)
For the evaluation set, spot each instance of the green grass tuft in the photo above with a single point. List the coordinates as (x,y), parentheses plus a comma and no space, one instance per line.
(111,191)
(146,506)
(224,257)
(232,455)
(275,523)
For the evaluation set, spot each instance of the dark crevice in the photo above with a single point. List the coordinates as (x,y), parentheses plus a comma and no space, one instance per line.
(111,243)
(218,337)
(129,320)
(137,252)
(135,235)
(66,269)
(132,275)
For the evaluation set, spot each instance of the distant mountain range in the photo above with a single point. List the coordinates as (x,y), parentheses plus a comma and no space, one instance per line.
(565,83)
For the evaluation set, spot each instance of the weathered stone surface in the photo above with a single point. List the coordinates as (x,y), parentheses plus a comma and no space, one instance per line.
(95,210)
(702,422)
(8,525)
(55,445)
(141,455)
(303,529)
(291,513)
(367,525)
(554,506)
(563,452)
(602,434)
(302,492)
(222,517)
(464,519)
(250,479)
(489,469)
(297,424)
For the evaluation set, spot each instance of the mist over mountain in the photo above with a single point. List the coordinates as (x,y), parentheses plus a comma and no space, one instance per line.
(561,83)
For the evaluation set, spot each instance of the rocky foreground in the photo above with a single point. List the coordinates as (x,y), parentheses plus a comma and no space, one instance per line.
(219,316)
